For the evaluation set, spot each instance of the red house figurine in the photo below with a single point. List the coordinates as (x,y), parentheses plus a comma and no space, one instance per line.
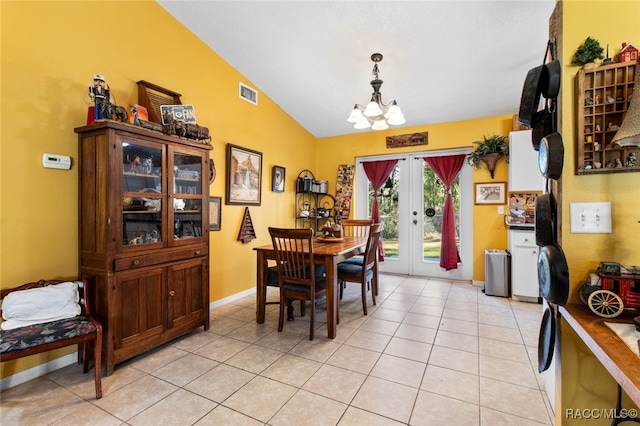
(628,53)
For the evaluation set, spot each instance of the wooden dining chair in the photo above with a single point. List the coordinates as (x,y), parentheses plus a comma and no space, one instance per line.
(364,273)
(297,274)
(356,228)
(274,281)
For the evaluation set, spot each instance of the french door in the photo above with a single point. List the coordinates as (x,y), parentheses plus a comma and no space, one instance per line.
(411,204)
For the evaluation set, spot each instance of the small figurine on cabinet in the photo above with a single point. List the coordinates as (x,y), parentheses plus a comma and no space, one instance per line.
(134,113)
(99,94)
(136,164)
(598,99)
(612,127)
(598,128)
(136,240)
(618,163)
(610,99)
(609,164)
(631,159)
(628,53)
(588,101)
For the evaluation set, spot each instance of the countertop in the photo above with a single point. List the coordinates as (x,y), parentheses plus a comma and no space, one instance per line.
(611,351)
(522,226)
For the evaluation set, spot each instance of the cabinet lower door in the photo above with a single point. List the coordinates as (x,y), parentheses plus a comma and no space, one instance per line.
(139,306)
(188,295)
(524,271)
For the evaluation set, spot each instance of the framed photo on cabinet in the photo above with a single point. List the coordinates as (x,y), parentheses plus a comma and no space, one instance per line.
(491,193)
(277,179)
(215,213)
(244,176)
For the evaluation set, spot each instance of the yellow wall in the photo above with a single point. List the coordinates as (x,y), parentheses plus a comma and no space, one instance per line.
(50,51)
(46,68)
(489,230)
(617,22)
(585,383)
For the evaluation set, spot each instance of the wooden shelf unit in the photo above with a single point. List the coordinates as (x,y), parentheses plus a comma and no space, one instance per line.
(604,94)
(321,206)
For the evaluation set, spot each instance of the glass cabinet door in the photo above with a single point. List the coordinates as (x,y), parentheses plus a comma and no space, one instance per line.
(187,196)
(142,194)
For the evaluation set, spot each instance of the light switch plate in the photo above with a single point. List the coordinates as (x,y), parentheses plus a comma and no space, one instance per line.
(590,218)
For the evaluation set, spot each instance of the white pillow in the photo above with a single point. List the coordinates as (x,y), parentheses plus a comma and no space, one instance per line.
(40,305)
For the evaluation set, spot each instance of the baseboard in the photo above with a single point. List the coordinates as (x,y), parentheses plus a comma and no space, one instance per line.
(232,298)
(37,371)
(477,283)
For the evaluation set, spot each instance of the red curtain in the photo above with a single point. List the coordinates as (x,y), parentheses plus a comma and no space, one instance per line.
(447,169)
(377,172)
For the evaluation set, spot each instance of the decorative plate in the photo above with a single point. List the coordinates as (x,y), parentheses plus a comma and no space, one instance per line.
(212,171)
(330,239)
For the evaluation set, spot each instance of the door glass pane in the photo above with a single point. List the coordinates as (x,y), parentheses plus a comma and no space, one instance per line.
(434,195)
(187,201)
(143,226)
(388,197)
(141,195)
(141,167)
(187,173)
(187,220)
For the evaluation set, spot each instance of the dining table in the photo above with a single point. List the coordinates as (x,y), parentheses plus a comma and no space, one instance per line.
(327,252)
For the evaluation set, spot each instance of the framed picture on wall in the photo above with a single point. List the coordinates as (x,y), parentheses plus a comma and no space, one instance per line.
(244,176)
(277,179)
(491,193)
(215,213)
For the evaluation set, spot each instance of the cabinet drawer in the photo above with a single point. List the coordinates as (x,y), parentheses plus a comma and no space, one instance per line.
(522,238)
(145,260)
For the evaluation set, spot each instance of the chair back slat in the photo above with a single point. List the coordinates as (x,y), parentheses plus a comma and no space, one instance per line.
(356,227)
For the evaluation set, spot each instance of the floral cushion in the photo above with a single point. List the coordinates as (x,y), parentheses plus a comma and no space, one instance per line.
(38,334)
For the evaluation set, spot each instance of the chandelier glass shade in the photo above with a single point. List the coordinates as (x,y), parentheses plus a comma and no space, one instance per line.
(376,114)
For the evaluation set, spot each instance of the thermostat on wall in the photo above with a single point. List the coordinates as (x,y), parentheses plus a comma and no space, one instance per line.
(53,161)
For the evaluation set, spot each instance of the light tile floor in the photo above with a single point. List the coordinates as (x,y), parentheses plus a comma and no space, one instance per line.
(431,352)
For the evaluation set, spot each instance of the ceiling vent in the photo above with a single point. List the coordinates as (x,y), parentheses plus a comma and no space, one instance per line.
(248,94)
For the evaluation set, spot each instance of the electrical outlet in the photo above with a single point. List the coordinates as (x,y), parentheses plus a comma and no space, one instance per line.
(500,209)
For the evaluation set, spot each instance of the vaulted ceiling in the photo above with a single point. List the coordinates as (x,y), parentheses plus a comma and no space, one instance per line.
(443,60)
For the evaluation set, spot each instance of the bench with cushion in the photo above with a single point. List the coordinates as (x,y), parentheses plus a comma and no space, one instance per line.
(47,315)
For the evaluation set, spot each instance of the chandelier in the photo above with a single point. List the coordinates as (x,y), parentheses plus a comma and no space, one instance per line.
(377,114)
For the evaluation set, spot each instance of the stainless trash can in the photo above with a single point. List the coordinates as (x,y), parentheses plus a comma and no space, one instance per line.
(497,273)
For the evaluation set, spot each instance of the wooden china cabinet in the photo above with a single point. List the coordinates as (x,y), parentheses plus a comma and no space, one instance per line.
(144,235)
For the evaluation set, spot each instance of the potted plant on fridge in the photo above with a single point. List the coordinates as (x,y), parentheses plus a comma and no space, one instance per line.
(489,151)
